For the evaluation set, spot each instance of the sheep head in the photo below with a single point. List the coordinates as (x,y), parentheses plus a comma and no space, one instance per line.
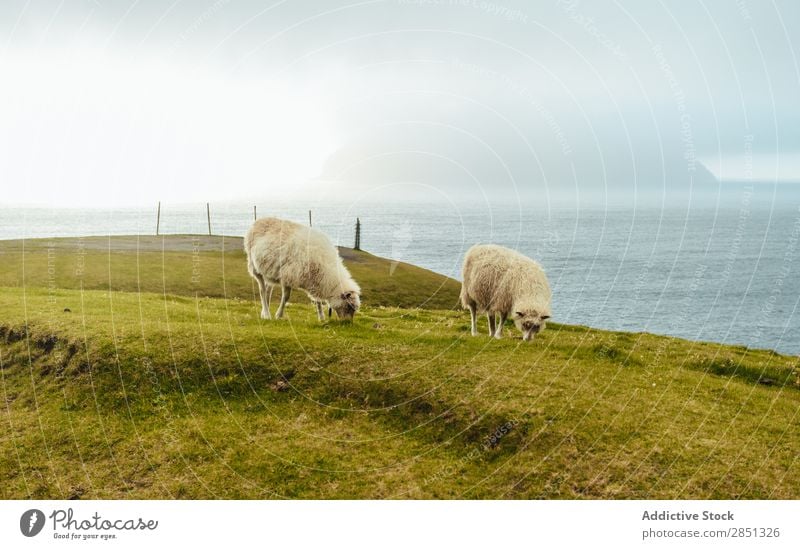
(530,320)
(346,299)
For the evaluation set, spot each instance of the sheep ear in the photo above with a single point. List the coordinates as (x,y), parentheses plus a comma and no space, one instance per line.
(545,317)
(347,295)
(520,314)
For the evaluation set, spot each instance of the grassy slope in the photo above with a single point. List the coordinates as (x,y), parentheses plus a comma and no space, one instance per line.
(156,394)
(189,265)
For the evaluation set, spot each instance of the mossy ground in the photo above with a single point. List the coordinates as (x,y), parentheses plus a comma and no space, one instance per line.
(159,384)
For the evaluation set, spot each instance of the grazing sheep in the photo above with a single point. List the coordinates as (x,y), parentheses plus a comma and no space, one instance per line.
(501,280)
(291,255)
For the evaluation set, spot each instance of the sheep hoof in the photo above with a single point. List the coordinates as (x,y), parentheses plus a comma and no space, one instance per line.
(266,315)
(498,336)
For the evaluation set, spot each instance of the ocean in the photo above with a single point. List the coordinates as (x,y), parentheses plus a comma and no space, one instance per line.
(724,272)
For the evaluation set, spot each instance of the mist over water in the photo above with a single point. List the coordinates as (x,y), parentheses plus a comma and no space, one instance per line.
(723,270)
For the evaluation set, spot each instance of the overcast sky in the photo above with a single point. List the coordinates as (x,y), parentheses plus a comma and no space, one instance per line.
(107,102)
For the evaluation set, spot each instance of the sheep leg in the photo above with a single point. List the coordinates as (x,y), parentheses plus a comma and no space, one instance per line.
(490,316)
(473,318)
(265,297)
(498,333)
(286,291)
(320,314)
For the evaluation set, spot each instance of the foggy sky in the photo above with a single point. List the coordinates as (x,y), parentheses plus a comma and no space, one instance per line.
(120,102)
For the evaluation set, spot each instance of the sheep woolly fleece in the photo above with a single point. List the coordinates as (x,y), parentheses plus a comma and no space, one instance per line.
(289,254)
(501,280)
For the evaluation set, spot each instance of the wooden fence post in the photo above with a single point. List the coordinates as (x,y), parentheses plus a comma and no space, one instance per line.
(309,218)
(358,234)
(158,218)
(255,215)
(208,213)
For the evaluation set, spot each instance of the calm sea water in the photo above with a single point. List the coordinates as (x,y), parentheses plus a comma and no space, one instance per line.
(717,272)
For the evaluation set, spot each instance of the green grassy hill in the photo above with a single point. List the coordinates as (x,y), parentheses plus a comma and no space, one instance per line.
(141,370)
(211,266)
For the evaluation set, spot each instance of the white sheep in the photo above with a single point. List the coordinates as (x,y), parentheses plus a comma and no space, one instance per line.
(499,280)
(291,255)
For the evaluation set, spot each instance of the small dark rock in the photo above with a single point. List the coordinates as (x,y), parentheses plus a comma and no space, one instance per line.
(766,381)
(67,310)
